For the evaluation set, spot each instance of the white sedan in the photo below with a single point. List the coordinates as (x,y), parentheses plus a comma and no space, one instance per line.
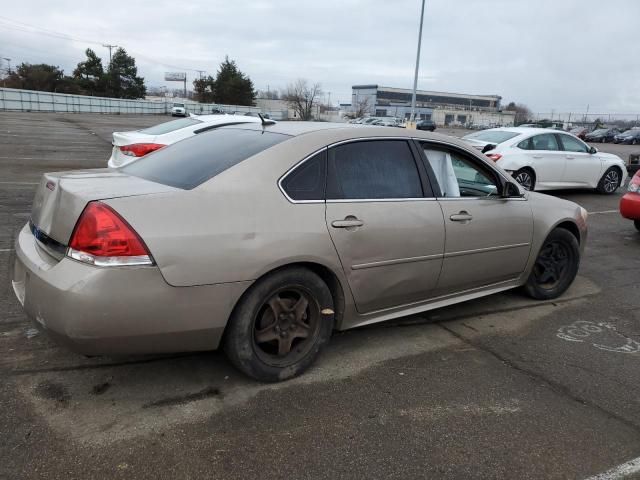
(127,146)
(543,159)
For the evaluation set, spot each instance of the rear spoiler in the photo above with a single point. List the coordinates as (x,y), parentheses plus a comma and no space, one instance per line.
(227,124)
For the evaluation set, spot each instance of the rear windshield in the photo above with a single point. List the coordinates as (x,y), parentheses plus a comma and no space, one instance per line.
(491,136)
(171,126)
(193,161)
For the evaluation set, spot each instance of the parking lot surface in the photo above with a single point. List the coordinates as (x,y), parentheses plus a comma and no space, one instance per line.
(501,387)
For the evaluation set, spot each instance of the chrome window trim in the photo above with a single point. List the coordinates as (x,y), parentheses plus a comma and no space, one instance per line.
(406,139)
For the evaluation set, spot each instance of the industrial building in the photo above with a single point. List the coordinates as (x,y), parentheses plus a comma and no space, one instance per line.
(441,107)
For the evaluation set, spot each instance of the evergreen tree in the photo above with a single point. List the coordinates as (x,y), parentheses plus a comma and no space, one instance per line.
(90,76)
(231,86)
(122,77)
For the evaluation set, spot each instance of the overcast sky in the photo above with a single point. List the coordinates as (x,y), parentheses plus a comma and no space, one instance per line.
(549,54)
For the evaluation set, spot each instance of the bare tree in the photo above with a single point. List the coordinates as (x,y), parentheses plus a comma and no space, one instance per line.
(361,108)
(523,113)
(302,98)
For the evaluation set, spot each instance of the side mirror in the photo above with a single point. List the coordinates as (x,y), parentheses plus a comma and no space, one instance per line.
(511,190)
(488,147)
(593,150)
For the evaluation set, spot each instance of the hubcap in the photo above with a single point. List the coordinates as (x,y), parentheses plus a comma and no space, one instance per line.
(611,181)
(552,264)
(524,179)
(286,326)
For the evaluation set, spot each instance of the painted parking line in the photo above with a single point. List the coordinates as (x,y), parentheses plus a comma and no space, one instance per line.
(603,211)
(619,472)
(19,183)
(6,249)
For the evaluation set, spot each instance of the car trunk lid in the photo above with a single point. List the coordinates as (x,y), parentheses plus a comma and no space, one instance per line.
(61,197)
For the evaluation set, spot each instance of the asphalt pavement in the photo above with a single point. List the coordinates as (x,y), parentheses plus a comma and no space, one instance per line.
(500,387)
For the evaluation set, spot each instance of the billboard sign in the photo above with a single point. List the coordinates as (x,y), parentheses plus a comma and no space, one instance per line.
(175,76)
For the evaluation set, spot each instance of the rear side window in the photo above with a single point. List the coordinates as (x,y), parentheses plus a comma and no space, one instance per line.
(546,141)
(526,144)
(372,170)
(171,126)
(307,181)
(193,161)
(572,144)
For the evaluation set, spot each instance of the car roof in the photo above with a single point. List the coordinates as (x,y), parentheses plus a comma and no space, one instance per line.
(525,130)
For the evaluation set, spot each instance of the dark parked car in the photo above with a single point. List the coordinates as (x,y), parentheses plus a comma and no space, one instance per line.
(579,132)
(602,135)
(631,137)
(426,125)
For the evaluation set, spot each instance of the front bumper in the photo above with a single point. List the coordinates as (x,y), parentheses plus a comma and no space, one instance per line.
(630,206)
(118,310)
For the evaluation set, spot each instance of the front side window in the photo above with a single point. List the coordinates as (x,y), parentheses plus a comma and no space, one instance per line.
(307,182)
(546,141)
(377,169)
(458,175)
(572,144)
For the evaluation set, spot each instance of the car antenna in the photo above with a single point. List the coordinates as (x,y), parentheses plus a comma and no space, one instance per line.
(264,122)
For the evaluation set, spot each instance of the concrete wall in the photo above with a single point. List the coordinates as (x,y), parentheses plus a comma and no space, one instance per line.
(29,100)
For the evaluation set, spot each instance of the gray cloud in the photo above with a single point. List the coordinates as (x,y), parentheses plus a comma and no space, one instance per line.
(549,54)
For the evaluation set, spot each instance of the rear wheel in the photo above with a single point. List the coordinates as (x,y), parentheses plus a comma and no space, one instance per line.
(280,325)
(556,266)
(526,178)
(610,181)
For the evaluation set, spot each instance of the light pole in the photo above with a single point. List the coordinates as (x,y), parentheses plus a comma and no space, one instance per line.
(9,62)
(415,77)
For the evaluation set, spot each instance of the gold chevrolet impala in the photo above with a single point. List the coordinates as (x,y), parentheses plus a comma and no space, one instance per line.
(264,239)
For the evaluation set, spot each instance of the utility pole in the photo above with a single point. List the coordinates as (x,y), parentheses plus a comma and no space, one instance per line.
(9,62)
(415,77)
(201,72)
(329,102)
(109,47)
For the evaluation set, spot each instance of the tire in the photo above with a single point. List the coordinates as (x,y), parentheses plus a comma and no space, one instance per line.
(264,337)
(634,142)
(526,178)
(604,140)
(556,266)
(610,181)
(636,223)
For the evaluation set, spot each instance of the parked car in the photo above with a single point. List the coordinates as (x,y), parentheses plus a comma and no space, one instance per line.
(540,159)
(178,110)
(630,202)
(428,125)
(128,146)
(631,137)
(602,135)
(263,239)
(579,132)
(633,163)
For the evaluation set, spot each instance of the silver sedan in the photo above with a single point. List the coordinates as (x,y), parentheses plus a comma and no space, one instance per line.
(263,239)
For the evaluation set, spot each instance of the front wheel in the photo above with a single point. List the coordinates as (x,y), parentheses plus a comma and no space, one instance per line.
(525,177)
(280,325)
(556,266)
(610,181)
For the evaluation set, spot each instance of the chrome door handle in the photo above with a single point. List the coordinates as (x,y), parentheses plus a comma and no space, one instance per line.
(536,156)
(570,157)
(462,216)
(348,222)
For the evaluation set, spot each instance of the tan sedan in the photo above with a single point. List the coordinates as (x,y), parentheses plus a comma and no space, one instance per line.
(263,239)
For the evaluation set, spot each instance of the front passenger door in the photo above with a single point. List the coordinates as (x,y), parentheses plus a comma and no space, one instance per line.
(488,238)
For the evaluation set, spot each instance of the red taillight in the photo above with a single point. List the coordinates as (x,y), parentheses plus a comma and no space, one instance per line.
(140,149)
(494,156)
(102,237)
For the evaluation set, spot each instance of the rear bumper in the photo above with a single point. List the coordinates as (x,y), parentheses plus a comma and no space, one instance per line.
(630,206)
(117,311)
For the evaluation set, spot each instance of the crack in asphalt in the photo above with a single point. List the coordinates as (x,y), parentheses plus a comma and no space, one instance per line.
(556,387)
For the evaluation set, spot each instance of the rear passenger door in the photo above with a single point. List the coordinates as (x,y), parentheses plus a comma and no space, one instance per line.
(488,237)
(384,222)
(546,157)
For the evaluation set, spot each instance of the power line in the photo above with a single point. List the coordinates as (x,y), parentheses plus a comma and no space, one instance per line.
(25,27)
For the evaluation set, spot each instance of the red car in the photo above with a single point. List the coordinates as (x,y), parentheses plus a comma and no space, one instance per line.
(630,203)
(579,132)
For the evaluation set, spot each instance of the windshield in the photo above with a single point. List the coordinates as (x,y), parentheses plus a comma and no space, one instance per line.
(491,136)
(193,161)
(178,104)
(171,126)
